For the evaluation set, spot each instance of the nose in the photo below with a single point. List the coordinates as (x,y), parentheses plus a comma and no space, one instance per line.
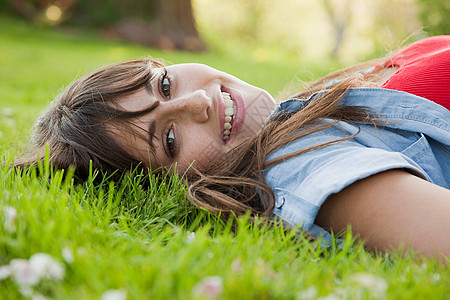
(194,106)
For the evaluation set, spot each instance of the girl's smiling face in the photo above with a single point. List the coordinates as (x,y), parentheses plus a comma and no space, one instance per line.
(202,114)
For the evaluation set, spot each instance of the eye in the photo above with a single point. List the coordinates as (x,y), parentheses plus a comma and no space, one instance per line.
(164,85)
(170,143)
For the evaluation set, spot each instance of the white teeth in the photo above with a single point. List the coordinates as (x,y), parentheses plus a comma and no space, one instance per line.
(228,102)
(225,95)
(230,111)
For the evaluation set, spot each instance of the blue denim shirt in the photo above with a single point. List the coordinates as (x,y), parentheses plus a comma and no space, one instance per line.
(415,139)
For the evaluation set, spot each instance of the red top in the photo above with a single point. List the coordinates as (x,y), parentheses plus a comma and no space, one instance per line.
(424,69)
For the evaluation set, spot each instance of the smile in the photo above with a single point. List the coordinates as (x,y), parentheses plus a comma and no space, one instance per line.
(230,111)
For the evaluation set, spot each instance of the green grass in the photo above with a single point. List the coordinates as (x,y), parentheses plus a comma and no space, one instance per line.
(121,236)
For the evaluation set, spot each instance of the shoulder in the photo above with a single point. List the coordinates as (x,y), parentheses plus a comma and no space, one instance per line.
(307,180)
(422,48)
(430,43)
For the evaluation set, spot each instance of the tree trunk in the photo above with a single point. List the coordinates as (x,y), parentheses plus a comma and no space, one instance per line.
(177,23)
(339,19)
(166,24)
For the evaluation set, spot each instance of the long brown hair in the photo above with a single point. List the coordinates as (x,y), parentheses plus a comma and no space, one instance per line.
(75,125)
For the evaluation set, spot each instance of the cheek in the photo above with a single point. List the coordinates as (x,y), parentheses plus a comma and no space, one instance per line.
(203,152)
(258,108)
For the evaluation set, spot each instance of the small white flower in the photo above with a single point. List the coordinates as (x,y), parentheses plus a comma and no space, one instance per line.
(236,265)
(26,291)
(374,283)
(10,218)
(5,272)
(310,293)
(190,237)
(39,297)
(46,266)
(67,255)
(8,112)
(114,295)
(10,122)
(81,251)
(436,277)
(22,272)
(210,287)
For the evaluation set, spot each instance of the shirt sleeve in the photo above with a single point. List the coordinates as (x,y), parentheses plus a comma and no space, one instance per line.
(424,70)
(303,183)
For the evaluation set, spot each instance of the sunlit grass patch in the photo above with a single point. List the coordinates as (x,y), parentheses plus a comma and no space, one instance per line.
(152,243)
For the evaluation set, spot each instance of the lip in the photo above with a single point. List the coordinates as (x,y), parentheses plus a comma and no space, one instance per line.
(239,116)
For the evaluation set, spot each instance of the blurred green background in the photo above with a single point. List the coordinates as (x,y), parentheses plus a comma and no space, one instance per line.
(344,30)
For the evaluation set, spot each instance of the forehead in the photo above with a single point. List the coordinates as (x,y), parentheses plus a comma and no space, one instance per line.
(136,100)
